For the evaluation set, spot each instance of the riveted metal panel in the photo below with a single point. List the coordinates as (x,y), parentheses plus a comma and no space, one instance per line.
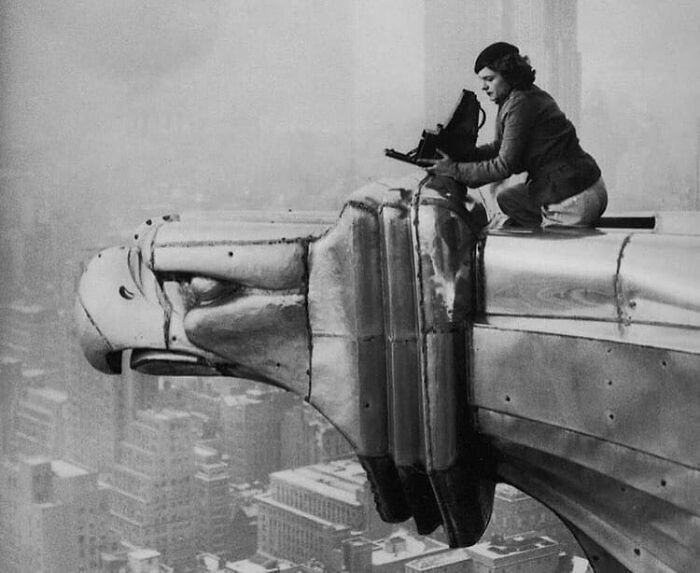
(644,398)
(346,318)
(405,416)
(672,483)
(345,286)
(446,403)
(279,350)
(215,230)
(403,366)
(641,531)
(660,281)
(399,293)
(276,266)
(444,247)
(551,273)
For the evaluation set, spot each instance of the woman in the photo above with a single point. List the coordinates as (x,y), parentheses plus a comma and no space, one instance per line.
(564,184)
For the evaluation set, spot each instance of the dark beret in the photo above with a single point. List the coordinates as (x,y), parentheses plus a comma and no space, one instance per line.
(492,53)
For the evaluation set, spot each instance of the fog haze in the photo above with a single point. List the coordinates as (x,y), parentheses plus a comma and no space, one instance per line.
(114,111)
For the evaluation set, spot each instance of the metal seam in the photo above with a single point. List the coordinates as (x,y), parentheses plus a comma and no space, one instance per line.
(422,347)
(617,284)
(305,286)
(94,324)
(584,434)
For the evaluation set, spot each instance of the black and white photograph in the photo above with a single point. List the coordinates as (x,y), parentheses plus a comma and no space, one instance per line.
(349,286)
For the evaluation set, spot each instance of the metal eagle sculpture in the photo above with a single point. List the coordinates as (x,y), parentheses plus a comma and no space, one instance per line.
(452,355)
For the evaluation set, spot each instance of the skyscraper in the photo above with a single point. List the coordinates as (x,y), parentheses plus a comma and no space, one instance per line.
(212,502)
(153,486)
(54,517)
(40,422)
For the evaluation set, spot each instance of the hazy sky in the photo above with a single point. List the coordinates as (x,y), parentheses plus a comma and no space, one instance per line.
(642,51)
(88,86)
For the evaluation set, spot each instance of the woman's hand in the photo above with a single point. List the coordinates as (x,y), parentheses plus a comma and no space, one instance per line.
(443,166)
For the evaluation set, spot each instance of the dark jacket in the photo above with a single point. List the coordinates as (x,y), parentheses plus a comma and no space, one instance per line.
(533,135)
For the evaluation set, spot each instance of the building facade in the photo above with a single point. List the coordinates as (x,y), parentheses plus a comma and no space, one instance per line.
(212,502)
(54,517)
(307,438)
(153,487)
(309,511)
(40,422)
(524,553)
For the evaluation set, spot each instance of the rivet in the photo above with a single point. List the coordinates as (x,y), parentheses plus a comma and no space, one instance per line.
(149,222)
(230,253)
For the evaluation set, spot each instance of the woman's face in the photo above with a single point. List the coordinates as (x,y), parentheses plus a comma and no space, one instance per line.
(493,83)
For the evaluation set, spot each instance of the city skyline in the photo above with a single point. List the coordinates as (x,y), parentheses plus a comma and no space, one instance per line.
(243,106)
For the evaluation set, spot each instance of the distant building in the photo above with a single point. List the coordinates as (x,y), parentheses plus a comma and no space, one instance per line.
(146,561)
(307,438)
(525,553)
(100,407)
(392,555)
(10,376)
(40,422)
(53,517)
(516,512)
(453,561)
(32,332)
(309,511)
(260,564)
(212,502)
(251,432)
(153,488)
(244,519)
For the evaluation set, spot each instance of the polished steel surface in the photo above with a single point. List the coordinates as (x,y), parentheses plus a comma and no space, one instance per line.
(564,361)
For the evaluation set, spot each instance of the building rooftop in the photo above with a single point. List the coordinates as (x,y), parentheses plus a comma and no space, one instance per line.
(342,480)
(267,499)
(402,546)
(50,394)
(518,544)
(140,554)
(65,469)
(440,560)
(259,564)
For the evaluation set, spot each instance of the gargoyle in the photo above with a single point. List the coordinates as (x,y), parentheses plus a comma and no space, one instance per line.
(452,356)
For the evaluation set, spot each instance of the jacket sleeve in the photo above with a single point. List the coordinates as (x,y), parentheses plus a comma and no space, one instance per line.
(518,119)
(488,151)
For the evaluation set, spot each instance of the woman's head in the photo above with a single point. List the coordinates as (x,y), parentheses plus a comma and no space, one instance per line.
(501,68)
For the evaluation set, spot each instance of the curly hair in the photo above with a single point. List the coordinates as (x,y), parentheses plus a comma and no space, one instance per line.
(515,69)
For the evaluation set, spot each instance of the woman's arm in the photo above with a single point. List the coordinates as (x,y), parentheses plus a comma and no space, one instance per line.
(518,118)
